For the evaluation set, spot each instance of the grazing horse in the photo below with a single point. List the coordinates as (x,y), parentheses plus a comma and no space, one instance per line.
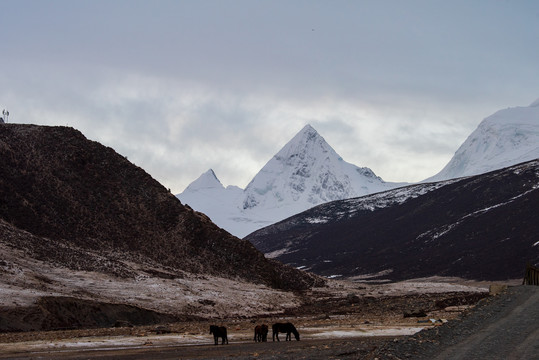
(218,332)
(261,333)
(284,328)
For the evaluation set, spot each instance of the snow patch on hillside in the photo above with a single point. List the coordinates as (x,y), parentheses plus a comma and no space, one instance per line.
(25,280)
(348,208)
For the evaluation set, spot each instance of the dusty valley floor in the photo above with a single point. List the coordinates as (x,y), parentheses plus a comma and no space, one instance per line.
(334,324)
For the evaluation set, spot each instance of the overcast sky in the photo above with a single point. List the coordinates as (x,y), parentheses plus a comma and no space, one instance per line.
(180,87)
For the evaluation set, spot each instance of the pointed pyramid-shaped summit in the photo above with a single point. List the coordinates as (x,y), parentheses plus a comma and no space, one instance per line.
(306,172)
(307,141)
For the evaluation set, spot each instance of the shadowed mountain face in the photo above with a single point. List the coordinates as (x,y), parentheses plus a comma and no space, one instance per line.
(62,194)
(483,227)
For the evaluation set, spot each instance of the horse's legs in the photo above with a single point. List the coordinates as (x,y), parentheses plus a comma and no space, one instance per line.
(215,339)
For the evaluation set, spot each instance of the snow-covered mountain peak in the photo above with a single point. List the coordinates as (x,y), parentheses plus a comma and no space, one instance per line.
(508,137)
(305,172)
(208,180)
(306,143)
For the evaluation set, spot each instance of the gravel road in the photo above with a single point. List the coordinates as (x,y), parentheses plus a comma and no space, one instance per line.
(500,327)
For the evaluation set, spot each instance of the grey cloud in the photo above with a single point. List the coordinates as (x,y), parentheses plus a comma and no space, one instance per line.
(180,87)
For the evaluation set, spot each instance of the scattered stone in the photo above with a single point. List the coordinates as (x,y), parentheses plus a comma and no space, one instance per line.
(352,298)
(207,302)
(122,323)
(415,313)
(162,329)
(495,289)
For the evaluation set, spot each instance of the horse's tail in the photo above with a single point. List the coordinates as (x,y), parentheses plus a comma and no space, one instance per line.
(257,330)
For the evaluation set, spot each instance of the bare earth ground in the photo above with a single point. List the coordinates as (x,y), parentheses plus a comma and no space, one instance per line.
(349,328)
(499,327)
(192,341)
(345,320)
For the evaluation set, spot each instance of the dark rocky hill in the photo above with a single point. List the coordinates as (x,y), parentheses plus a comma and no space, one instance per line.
(483,227)
(75,203)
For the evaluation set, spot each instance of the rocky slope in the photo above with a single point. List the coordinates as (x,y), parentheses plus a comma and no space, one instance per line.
(482,227)
(73,204)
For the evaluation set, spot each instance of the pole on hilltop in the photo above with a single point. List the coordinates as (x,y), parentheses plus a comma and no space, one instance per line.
(6,114)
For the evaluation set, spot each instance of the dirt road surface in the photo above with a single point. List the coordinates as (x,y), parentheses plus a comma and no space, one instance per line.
(319,340)
(305,349)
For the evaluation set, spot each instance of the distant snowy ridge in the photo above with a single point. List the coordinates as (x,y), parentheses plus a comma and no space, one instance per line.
(506,138)
(304,173)
(307,172)
(347,208)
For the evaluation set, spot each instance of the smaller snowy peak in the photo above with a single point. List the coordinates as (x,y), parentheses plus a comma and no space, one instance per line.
(208,180)
(207,195)
(535,103)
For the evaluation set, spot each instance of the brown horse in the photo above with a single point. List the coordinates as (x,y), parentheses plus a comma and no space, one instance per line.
(284,328)
(219,332)
(261,333)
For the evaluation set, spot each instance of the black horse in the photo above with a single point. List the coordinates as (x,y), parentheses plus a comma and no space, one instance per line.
(261,333)
(218,332)
(284,328)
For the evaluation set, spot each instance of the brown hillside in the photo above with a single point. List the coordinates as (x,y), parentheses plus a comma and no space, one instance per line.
(65,194)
